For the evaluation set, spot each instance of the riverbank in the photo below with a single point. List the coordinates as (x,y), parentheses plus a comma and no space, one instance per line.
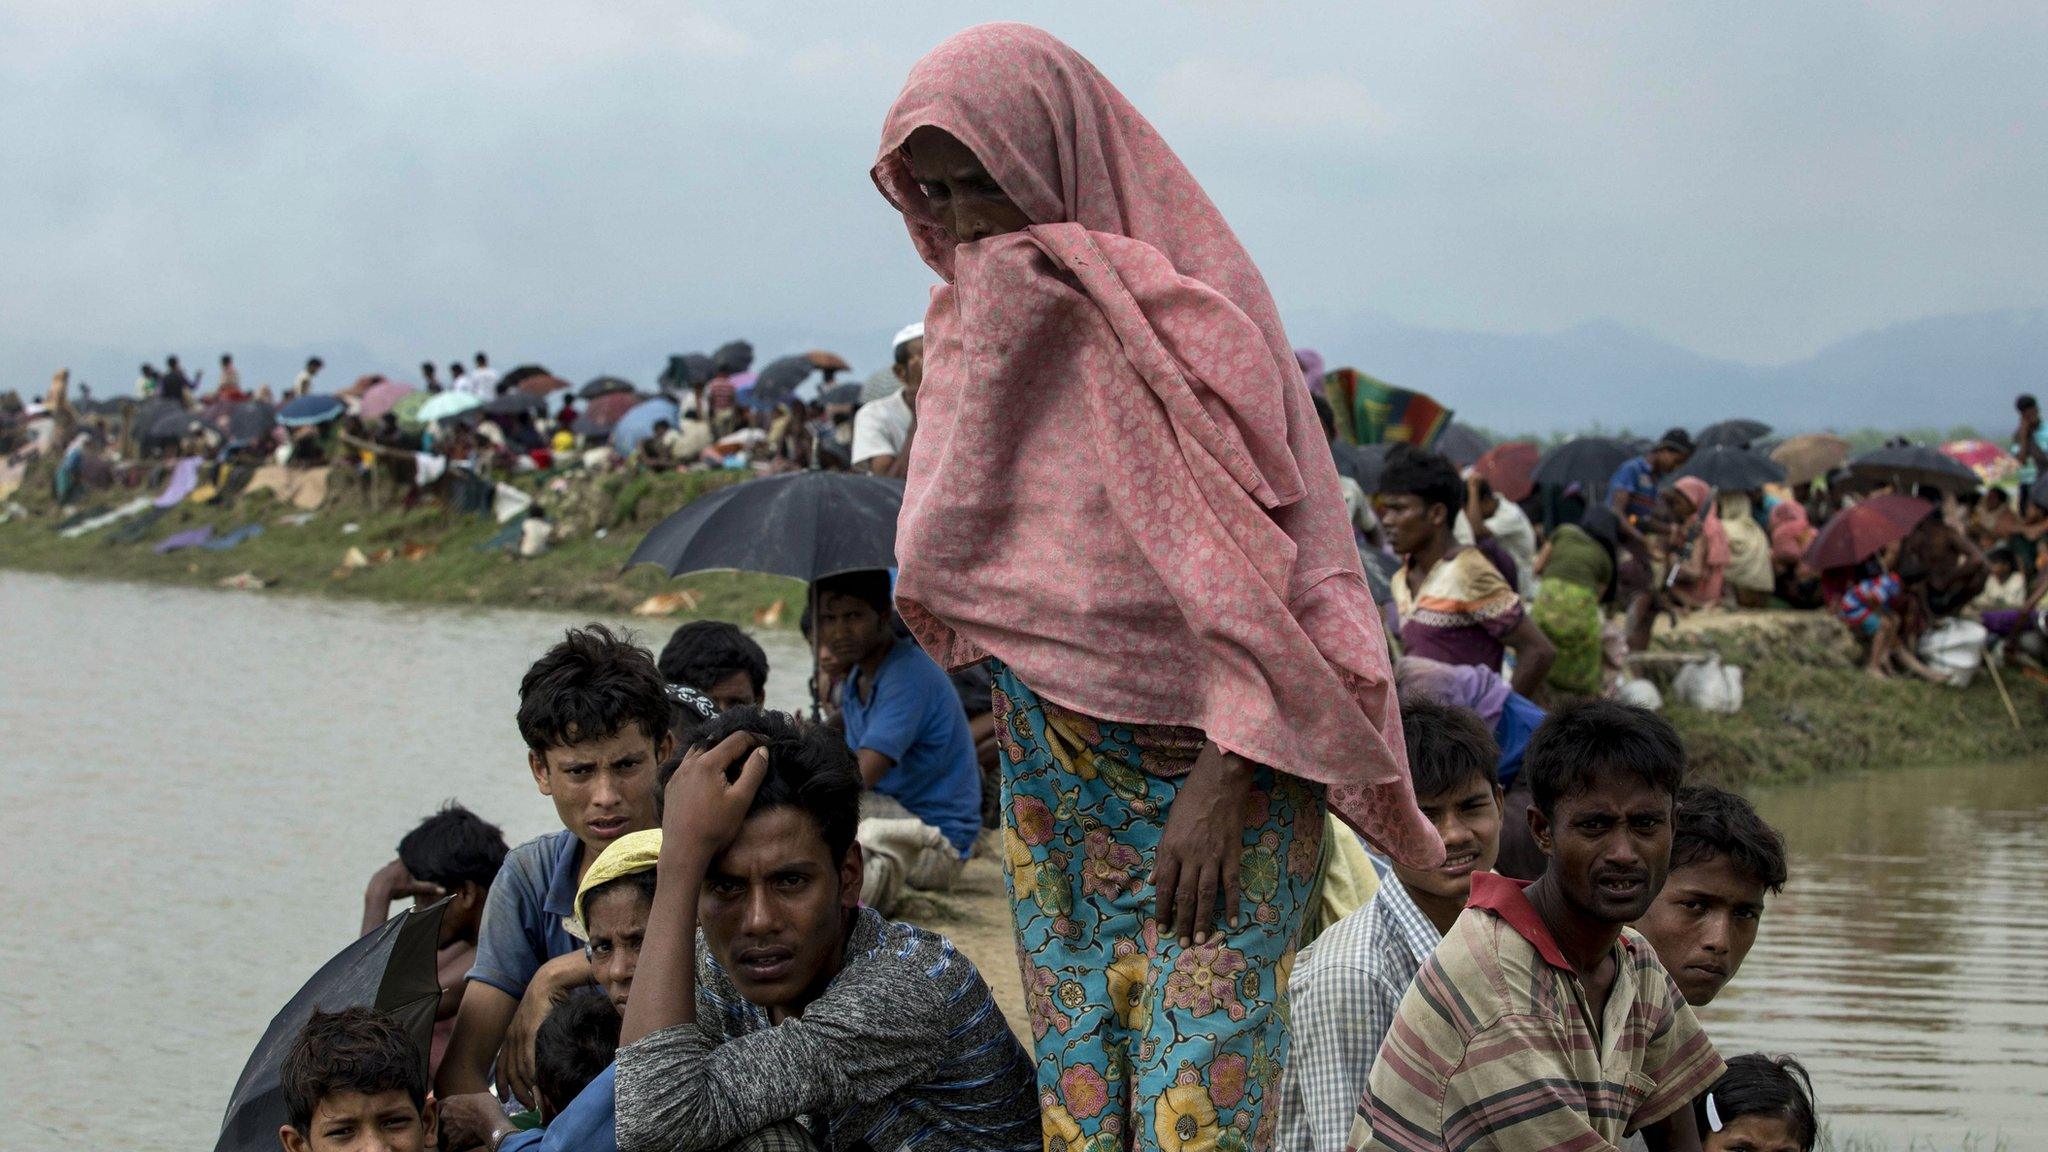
(1809,710)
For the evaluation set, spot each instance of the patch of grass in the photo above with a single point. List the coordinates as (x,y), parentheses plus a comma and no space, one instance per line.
(581,573)
(1809,709)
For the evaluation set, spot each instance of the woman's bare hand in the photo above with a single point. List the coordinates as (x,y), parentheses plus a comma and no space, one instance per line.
(1197,857)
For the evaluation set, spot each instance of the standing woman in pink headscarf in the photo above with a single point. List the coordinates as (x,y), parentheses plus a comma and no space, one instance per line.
(1121,497)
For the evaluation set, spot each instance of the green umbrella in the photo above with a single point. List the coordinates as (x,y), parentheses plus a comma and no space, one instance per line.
(408,410)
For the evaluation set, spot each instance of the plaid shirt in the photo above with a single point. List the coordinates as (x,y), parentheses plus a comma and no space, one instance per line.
(1491,1048)
(1342,999)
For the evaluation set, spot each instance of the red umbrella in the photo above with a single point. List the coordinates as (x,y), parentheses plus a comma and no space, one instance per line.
(1862,531)
(541,384)
(1511,469)
(602,412)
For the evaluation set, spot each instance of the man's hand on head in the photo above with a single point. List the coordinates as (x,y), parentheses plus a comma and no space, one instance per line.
(707,799)
(472,1120)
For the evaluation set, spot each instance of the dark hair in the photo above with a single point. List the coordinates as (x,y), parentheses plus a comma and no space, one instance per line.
(2026,400)
(703,652)
(1582,738)
(482,361)
(427,368)
(452,847)
(2001,553)
(225,358)
(868,585)
(809,768)
(354,1050)
(641,882)
(574,1044)
(1410,471)
(590,687)
(902,351)
(1677,440)
(1716,822)
(1447,746)
(1759,1085)
(316,362)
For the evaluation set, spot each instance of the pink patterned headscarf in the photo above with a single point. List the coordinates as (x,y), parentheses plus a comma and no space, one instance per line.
(1120,487)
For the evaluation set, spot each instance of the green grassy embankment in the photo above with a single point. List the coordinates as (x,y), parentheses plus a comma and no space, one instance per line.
(580,573)
(1809,708)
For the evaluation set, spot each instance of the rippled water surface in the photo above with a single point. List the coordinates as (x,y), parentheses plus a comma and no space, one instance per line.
(1907,961)
(200,783)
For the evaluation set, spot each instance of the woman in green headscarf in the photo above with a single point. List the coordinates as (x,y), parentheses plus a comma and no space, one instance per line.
(1577,567)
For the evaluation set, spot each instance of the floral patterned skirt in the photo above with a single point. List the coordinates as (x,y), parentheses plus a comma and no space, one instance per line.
(1141,1043)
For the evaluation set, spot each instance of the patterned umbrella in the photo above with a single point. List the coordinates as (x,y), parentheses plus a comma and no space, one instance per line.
(1992,464)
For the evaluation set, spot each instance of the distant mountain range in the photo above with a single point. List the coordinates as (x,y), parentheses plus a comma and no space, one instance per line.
(1935,373)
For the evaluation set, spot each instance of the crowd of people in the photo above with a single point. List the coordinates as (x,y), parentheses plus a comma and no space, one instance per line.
(1292,865)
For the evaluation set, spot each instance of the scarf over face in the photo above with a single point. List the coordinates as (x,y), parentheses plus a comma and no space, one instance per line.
(1120,487)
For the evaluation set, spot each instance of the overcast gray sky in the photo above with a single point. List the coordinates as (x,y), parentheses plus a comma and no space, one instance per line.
(564,177)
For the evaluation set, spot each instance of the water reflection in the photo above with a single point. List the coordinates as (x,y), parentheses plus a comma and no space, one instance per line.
(1907,962)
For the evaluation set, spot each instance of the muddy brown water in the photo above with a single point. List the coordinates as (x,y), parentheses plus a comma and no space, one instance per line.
(199,784)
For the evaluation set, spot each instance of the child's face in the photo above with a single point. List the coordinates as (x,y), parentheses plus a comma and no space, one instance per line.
(386,1121)
(602,789)
(1752,1134)
(1468,818)
(2002,568)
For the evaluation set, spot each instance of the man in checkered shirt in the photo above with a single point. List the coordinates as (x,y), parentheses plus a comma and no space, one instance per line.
(1347,985)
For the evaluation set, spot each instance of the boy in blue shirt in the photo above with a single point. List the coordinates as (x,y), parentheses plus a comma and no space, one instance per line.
(595,715)
(922,811)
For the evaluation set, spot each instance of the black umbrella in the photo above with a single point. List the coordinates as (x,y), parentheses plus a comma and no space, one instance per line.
(604,386)
(1362,462)
(1589,462)
(1461,445)
(392,970)
(1911,466)
(778,381)
(248,421)
(688,371)
(172,425)
(846,393)
(513,403)
(149,412)
(1732,469)
(733,358)
(803,525)
(1731,434)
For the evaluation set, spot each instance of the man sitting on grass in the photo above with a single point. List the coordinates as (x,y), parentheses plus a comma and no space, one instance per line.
(454,853)
(905,724)
(812,1022)
(1542,1021)
(1347,986)
(595,715)
(354,1081)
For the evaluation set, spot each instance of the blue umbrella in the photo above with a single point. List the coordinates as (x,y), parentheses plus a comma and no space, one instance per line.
(317,409)
(638,423)
(447,406)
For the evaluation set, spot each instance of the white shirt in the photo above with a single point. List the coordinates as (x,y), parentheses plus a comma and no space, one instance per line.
(881,428)
(1510,526)
(483,382)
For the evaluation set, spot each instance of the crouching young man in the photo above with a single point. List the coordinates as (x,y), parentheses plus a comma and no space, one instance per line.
(813,1022)
(1542,1021)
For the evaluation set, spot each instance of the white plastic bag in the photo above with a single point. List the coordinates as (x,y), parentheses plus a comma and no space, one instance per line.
(1710,686)
(1639,692)
(1956,648)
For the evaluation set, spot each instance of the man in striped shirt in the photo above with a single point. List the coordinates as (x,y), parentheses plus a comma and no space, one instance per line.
(1347,986)
(1543,1022)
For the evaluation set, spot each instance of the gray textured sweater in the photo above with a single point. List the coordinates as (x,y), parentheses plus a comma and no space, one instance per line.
(905,1049)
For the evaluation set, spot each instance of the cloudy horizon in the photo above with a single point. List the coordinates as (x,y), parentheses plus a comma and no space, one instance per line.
(574,180)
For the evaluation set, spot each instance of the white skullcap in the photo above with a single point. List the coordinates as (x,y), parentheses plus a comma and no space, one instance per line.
(913,332)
